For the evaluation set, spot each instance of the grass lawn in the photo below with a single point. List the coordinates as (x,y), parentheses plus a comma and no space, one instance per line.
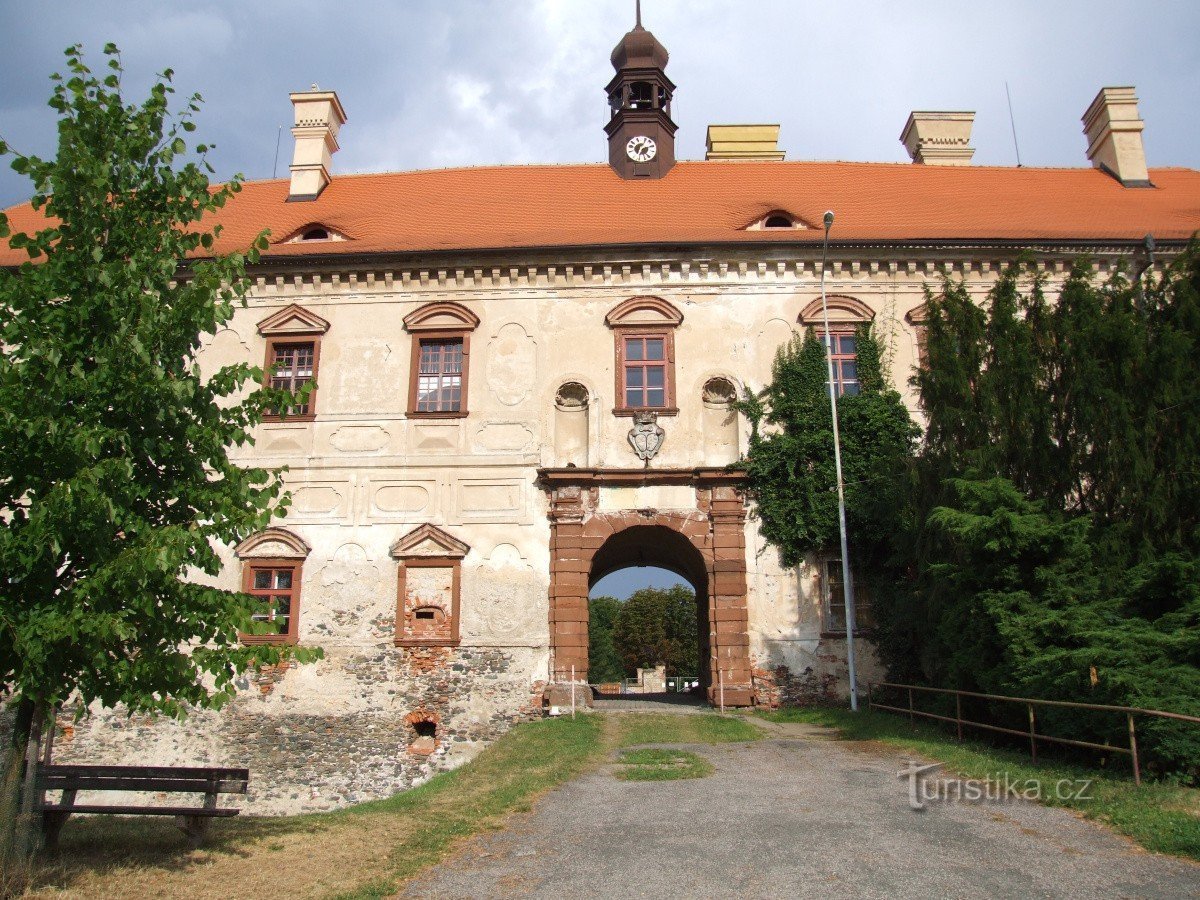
(653,764)
(364,851)
(1162,817)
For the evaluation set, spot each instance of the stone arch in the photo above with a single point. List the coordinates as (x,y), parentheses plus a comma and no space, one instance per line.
(842,310)
(704,542)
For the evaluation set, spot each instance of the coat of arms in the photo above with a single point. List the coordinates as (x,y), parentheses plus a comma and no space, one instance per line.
(645,437)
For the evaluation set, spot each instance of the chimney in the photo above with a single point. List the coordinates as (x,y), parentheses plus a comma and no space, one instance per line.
(318,116)
(1114,133)
(939,138)
(743,142)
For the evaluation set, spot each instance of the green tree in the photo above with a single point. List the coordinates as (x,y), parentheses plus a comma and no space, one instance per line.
(604,663)
(1052,534)
(115,479)
(659,627)
(790,465)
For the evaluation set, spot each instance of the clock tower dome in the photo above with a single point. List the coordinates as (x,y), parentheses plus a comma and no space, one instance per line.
(641,135)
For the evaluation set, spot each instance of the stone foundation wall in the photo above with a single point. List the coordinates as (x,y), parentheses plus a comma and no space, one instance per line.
(337,732)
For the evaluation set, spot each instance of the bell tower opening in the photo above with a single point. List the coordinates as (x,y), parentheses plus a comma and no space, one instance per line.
(641,134)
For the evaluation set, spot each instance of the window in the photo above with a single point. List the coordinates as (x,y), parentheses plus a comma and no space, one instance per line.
(276,586)
(835,600)
(439,375)
(293,354)
(644,334)
(315,234)
(272,565)
(845,361)
(644,372)
(441,356)
(428,587)
(777,221)
(293,366)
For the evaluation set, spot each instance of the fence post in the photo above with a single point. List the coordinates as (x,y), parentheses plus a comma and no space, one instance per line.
(572,691)
(721,687)
(1032,738)
(910,707)
(870,705)
(1137,771)
(958,714)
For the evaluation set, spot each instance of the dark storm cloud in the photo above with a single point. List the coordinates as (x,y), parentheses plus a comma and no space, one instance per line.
(467,82)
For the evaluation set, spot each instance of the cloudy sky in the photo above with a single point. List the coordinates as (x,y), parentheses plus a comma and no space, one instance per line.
(462,82)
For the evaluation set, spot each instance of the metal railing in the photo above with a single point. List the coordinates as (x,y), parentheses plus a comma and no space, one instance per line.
(1029,703)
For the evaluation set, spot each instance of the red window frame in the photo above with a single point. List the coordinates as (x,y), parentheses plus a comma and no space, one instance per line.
(835,603)
(844,360)
(291,378)
(442,373)
(636,378)
(271,593)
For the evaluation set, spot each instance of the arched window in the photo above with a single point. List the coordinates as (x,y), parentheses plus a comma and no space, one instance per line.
(641,95)
(777,221)
(315,234)
(644,333)
(441,348)
(846,314)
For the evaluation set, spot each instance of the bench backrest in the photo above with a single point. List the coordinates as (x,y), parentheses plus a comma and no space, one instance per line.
(143,778)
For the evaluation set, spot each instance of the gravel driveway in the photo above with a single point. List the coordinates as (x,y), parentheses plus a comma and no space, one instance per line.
(796,816)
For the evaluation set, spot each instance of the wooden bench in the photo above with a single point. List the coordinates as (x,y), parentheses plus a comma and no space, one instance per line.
(193,820)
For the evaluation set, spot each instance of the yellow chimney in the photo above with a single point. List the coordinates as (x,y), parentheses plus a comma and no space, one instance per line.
(743,142)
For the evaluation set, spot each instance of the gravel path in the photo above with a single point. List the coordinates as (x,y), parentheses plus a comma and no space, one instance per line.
(796,815)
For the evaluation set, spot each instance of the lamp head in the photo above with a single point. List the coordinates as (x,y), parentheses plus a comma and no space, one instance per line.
(828,219)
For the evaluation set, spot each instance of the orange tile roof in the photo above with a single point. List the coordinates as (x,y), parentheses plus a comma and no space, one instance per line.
(498,207)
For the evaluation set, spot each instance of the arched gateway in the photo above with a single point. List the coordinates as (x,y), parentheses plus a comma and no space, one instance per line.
(691,521)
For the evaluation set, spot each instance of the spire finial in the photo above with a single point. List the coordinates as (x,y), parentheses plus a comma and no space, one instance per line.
(638,8)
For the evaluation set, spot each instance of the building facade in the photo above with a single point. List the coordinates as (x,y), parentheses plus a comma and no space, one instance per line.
(524,381)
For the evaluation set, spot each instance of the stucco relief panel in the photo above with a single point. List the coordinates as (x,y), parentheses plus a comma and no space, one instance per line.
(494,500)
(503,601)
(511,368)
(498,437)
(320,501)
(359,438)
(407,500)
(354,598)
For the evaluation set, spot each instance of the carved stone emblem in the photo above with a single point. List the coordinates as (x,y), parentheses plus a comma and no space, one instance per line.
(646,437)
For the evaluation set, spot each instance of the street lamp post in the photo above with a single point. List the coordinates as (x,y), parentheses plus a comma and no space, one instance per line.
(847,578)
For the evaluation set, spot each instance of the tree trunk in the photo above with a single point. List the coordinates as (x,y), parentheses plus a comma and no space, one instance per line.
(18,814)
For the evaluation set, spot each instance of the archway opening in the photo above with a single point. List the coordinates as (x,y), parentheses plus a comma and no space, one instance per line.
(648,623)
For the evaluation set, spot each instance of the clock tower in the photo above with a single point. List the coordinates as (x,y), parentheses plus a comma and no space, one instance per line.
(641,135)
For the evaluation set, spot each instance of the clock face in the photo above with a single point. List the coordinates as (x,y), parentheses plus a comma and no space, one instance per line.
(641,148)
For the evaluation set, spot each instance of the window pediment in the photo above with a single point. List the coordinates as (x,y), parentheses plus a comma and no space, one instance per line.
(639,311)
(917,316)
(429,541)
(842,311)
(273,543)
(443,316)
(294,319)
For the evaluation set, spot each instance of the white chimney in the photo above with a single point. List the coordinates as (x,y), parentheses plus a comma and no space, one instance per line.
(318,116)
(939,138)
(1114,132)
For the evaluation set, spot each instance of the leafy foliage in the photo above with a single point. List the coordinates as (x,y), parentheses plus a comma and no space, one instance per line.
(659,627)
(790,465)
(1053,529)
(114,467)
(604,662)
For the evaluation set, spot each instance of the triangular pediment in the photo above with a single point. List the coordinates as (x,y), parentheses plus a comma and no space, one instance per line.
(429,541)
(294,319)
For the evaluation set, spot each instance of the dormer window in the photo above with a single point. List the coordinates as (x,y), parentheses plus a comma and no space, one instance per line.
(777,220)
(315,233)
